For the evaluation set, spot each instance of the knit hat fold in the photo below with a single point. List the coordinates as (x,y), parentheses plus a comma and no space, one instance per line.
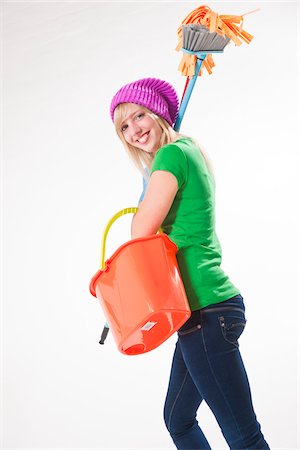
(156,95)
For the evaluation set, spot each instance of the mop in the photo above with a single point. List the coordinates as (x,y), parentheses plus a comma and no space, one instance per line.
(202,33)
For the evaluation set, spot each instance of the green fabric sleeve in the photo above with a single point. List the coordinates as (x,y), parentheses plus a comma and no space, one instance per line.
(171,159)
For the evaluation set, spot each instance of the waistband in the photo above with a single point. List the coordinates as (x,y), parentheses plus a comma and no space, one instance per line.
(235,303)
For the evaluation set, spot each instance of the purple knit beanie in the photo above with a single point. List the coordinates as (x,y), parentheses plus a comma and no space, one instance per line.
(156,95)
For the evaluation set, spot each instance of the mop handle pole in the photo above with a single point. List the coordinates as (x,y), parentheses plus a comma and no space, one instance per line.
(188,92)
(104,333)
(201,55)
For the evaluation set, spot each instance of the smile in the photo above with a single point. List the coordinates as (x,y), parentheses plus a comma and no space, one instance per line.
(144,138)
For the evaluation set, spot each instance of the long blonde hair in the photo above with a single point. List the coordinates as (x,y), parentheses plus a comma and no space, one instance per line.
(140,158)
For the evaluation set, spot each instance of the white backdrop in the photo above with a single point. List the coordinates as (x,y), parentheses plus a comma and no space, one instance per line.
(65,174)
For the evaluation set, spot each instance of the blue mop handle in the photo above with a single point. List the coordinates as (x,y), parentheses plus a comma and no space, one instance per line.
(189,91)
(200,58)
(184,102)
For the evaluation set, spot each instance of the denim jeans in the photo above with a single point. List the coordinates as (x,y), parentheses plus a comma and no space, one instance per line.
(207,365)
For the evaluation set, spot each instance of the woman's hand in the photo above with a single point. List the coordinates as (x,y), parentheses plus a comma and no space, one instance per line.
(156,204)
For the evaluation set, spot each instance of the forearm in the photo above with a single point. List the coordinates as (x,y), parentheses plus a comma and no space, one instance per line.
(142,225)
(158,200)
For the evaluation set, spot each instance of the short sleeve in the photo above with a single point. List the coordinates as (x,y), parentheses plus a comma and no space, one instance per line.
(171,159)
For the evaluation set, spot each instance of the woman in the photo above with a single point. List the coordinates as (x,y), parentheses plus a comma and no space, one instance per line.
(180,198)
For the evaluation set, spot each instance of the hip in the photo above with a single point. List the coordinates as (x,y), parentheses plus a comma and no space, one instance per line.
(233,307)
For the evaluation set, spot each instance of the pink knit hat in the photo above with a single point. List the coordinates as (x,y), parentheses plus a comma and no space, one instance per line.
(156,95)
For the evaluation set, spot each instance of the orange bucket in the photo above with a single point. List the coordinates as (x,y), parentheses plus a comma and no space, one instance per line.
(141,292)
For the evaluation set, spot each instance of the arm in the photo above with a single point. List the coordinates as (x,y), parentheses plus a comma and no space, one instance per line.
(156,204)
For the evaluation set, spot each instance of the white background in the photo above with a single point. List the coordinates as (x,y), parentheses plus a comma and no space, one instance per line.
(65,174)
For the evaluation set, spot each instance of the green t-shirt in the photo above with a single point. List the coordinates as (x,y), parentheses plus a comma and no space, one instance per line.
(190,223)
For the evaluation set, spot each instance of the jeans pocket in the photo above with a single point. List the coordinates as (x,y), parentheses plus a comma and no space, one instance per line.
(189,330)
(232,327)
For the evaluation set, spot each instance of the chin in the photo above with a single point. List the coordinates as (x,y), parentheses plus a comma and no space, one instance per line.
(146,149)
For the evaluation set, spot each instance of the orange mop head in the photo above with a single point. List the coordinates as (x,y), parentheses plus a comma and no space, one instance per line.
(229,27)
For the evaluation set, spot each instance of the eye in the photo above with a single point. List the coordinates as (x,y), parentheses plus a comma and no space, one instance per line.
(123,128)
(140,116)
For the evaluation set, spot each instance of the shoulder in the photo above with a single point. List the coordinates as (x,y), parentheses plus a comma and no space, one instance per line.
(172,158)
(175,151)
(177,146)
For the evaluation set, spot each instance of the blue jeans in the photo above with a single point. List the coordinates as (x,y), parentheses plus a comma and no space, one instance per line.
(207,365)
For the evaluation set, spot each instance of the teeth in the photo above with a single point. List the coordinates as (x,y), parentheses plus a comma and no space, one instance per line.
(144,138)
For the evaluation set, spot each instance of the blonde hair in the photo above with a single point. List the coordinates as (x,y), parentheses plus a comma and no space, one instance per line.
(140,158)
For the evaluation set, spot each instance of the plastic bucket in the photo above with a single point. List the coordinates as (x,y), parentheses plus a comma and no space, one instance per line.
(141,292)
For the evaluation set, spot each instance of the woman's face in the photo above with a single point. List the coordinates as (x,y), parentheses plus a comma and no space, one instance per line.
(140,130)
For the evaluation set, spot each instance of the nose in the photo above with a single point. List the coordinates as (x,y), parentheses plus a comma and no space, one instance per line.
(136,130)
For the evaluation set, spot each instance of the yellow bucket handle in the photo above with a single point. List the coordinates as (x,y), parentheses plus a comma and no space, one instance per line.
(124,211)
(131,210)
